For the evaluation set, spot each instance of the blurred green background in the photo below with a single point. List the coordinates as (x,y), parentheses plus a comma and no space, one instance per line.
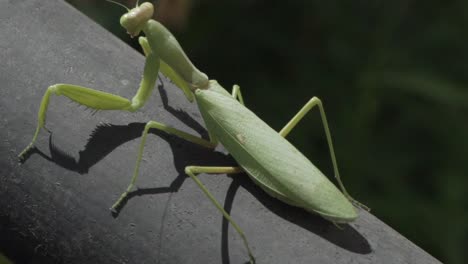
(393,76)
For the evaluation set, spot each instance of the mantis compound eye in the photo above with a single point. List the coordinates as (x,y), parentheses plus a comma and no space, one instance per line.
(136,18)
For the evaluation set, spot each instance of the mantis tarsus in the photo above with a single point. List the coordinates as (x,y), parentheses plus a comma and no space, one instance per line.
(263,153)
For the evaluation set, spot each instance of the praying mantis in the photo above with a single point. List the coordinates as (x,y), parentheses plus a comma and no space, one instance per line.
(264,154)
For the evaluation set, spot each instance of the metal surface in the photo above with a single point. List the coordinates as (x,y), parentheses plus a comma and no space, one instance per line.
(54,208)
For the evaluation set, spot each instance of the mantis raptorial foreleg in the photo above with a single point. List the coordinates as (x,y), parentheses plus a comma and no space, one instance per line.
(170,130)
(82,95)
(167,70)
(295,120)
(192,171)
(99,100)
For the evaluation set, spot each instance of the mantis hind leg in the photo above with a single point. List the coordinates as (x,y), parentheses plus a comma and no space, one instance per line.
(295,120)
(170,130)
(192,171)
(82,95)
(236,94)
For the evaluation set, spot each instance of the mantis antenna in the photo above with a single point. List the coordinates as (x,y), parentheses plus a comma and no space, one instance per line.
(119,4)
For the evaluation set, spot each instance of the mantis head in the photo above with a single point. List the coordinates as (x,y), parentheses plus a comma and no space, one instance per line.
(135,19)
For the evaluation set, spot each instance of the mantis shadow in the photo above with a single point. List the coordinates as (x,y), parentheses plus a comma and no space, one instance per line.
(346,237)
(105,138)
(186,153)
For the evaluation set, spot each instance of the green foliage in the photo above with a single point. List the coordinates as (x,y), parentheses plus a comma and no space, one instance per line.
(4,260)
(392,76)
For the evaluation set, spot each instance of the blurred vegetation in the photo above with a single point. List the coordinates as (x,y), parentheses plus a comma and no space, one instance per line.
(4,260)
(393,76)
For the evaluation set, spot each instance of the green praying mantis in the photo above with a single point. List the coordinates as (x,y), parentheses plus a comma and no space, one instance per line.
(264,154)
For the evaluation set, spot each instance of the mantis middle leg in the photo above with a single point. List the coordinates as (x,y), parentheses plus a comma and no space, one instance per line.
(295,120)
(170,130)
(192,171)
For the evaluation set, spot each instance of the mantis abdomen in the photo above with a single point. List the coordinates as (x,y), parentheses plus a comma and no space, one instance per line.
(269,159)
